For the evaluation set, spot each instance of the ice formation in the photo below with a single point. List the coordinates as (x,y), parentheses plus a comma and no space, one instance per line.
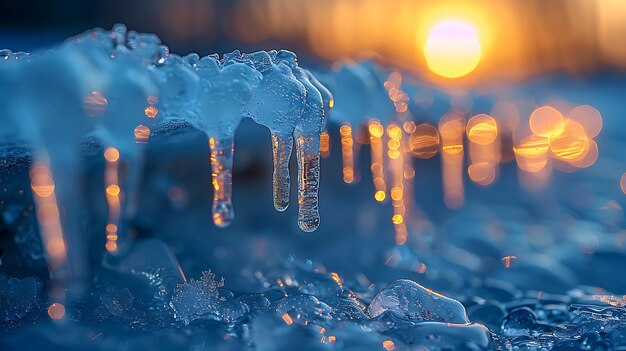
(277,103)
(111,84)
(408,299)
(198,299)
(225,90)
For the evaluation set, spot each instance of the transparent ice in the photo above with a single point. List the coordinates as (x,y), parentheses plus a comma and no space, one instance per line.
(277,104)
(307,135)
(18,298)
(408,299)
(226,88)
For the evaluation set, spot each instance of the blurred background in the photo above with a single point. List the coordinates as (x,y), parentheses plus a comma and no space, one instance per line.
(518,39)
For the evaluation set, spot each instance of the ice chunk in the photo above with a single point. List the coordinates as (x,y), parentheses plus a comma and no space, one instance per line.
(179,85)
(118,302)
(345,309)
(408,299)
(152,261)
(18,297)
(490,313)
(520,321)
(197,298)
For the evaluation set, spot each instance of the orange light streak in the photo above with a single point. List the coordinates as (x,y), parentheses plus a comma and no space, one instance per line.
(484,146)
(547,122)
(424,141)
(287,318)
(377,167)
(48,215)
(325,144)
(151,111)
(112,195)
(94,104)
(507,260)
(396,163)
(451,129)
(347,147)
(142,134)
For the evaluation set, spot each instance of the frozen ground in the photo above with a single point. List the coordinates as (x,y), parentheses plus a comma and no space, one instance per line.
(339,287)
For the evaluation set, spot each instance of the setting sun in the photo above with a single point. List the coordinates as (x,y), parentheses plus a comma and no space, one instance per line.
(452,49)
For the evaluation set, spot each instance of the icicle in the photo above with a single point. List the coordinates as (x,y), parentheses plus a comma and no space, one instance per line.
(282,145)
(222,164)
(225,91)
(277,104)
(307,133)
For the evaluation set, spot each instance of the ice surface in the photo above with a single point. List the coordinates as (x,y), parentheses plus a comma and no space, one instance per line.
(198,299)
(118,302)
(302,309)
(151,261)
(413,301)
(444,336)
(18,298)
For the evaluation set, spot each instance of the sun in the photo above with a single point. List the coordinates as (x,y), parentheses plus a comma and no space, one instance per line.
(452,49)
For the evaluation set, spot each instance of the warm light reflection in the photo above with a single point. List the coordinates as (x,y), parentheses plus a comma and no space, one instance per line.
(424,141)
(376,131)
(389,345)
(482,129)
(151,111)
(56,311)
(546,121)
(399,98)
(451,129)
(622,183)
(571,144)
(589,118)
(142,134)
(396,165)
(532,153)
(94,104)
(484,149)
(112,195)
(325,144)
(452,49)
(287,318)
(507,260)
(589,158)
(347,153)
(48,215)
